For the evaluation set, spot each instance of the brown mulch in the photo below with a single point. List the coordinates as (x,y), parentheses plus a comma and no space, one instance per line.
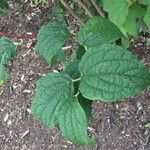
(118,126)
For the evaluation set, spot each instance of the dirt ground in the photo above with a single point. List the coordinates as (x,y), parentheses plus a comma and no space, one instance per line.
(118,126)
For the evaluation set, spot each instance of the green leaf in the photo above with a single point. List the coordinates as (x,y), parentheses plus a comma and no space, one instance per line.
(125,43)
(147,18)
(72,69)
(51,38)
(73,123)
(135,11)
(112,73)
(4,77)
(86,105)
(58,13)
(60,56)
(3,6)
(144,2)
(54,102)
(98,31)
(80,52)
(7,51)
(117,10)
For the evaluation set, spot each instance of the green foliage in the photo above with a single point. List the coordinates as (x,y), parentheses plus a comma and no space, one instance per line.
(101,70)
(3,6)
(125,13)
(98,31)
(117,10)
(111,73)
(80,52)
(144,2)
(86,105)
(58,13)
(7,51)
(147,18)
(130,24)
(55,102)
(72,70)
(51,38)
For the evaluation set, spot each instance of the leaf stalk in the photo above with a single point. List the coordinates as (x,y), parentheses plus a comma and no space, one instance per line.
(76,80)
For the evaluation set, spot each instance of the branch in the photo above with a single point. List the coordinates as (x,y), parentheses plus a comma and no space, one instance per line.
(72,12)
(84,7)
(17,36)
(100,12)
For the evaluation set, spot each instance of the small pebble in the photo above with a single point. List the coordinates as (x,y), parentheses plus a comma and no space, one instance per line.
(6,117)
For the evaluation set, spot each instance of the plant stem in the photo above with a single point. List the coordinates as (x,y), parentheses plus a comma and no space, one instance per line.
(76,95)
(72,12)
(76,80)
(80,3)
(17,36)
(73,33)
(100,12)
(87,2)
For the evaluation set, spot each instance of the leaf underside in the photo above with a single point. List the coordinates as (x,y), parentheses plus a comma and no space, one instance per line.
(111,73)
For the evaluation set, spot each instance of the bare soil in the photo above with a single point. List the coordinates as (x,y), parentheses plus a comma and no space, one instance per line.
(117,126)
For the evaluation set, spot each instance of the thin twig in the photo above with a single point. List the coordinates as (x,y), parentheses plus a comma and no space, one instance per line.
(100,12)
(72,12)
(76,80)
(87,2)
(17,36)
(84,7)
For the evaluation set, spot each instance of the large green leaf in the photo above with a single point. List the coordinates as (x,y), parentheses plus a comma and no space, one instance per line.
(58,13)
(86,105)
(111,73)
(7,51)
(98,31)
(54,102)
(147,18)
(3,75)
(80,52)
(135,11)
(117,10)
(72,69)
(51,38)
(144,2)
(3,6)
